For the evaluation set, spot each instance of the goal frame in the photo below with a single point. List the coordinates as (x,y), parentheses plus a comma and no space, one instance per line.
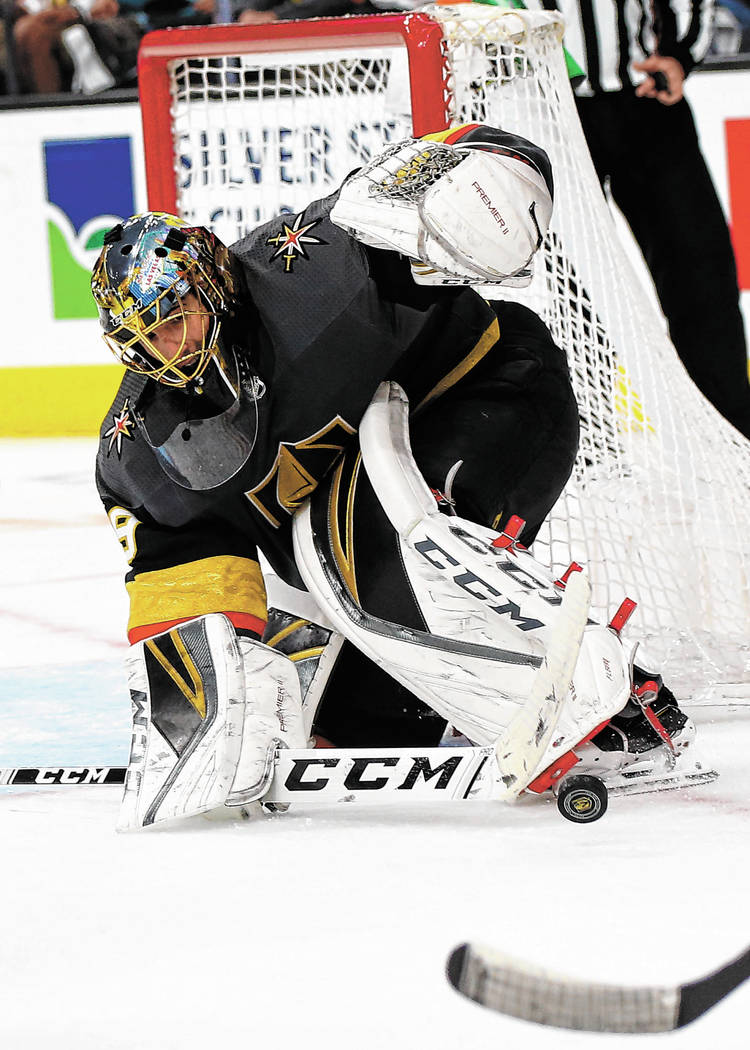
(658,470)
(418,33)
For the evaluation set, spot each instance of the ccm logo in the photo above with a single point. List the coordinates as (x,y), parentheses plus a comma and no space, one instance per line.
(81,775)
(361,777)
(476,586)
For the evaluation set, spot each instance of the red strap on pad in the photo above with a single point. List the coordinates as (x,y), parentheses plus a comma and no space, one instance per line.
(510,533)
(573,567)
(560,767)
(646,694)
(623,614)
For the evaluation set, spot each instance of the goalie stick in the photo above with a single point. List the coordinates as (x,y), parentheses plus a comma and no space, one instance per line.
(531,993)
(497,773)
(324,775)
(328,775)
(51,776)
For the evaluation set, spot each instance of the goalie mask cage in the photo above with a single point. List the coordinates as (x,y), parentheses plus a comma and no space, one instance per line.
(243,122)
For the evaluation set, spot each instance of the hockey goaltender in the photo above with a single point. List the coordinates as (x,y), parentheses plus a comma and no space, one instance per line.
(331,396)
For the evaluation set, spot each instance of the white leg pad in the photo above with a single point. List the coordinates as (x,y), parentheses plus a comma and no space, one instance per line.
(489,610)
(187,688)
(272,718)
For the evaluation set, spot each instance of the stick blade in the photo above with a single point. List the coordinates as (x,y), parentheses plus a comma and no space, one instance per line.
(698,996)
(516,989)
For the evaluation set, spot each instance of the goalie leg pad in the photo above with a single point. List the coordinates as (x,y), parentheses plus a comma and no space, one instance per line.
(488,611)
(509,587)
(187,691)
(209,711)
(272,718)
(466,683)
(472,665)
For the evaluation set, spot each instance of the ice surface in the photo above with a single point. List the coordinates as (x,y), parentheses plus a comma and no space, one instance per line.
(319,929)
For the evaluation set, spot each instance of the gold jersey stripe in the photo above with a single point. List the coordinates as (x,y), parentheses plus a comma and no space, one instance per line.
(486,342)
(343,546)
(209,585)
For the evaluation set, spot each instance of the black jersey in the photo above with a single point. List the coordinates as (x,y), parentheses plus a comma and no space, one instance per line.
(325,319)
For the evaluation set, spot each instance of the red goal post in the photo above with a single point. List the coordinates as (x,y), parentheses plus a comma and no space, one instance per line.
(417,33)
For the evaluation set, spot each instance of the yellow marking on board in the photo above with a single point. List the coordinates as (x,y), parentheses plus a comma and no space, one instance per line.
(56,400)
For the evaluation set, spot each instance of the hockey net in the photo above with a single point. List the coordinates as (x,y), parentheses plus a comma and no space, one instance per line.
(241,123)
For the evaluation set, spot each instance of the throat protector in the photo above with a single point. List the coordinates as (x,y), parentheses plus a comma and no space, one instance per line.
(204,436)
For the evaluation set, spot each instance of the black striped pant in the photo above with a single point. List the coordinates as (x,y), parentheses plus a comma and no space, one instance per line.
(659,180)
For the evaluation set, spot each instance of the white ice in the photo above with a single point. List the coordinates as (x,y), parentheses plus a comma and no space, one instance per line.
(315,929)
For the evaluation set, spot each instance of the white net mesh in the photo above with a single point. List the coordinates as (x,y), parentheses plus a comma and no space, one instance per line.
(256,135)
(659,503)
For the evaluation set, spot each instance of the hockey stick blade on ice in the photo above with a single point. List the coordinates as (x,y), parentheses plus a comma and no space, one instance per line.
(530,993)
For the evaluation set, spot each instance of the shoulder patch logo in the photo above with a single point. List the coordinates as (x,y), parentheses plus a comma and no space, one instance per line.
(290,242)
(121,428)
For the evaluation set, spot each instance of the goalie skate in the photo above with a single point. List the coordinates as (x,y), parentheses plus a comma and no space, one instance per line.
(646,747)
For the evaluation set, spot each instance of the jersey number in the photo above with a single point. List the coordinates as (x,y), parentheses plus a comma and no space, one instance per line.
(124,523)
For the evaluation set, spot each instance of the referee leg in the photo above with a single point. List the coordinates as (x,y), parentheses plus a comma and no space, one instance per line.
(665,192)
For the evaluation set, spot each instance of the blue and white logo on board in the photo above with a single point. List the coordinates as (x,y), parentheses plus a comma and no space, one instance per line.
(89,189)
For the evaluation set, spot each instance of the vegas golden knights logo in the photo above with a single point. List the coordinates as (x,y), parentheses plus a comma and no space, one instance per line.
(290,243)
(297,469)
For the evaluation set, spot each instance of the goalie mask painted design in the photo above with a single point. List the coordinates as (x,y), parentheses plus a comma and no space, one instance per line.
(156,270)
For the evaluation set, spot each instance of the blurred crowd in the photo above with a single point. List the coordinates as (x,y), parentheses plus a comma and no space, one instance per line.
(88,46)
(731,29)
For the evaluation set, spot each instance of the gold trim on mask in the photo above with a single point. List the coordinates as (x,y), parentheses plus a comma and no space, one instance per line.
(136,351)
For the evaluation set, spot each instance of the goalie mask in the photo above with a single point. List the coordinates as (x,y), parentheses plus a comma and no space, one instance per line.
(163,288)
